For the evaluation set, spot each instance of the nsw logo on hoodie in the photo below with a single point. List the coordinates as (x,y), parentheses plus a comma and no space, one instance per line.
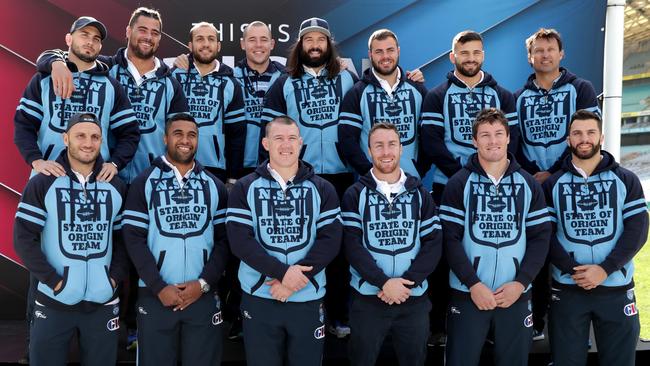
(181,212)
(545,116)
(318,100)
(285,219)
(496,213)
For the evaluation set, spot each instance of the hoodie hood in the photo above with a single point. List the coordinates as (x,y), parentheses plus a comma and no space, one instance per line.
(120,59)
(65,162)
(224,70)
(305,171)
(606,163)
(488,80)
(159,163)
(99,69)
(474,166)
(566,77)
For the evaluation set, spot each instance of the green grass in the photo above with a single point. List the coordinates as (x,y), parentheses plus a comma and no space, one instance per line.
(642,287)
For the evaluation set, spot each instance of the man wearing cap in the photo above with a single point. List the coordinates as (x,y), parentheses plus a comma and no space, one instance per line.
(154,93)
(174,229)
(283,222)
(67,233)
(41,116)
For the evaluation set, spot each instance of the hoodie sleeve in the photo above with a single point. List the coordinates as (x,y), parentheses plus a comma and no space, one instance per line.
(119,270)
(357,255)
(452,215)
(432,134)
(328,232)
(124,126)
(46,58)
(538,233)
(243,244)
(586,98)
(508,107)
(27,121)
(28,227)
(349,130)
(216,263)
(235,130)
(274,105)
(635,224)
(558,256)
(430,241)
(135,229)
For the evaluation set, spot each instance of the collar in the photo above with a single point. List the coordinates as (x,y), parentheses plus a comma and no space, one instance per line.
(552,85)
(582,172)
(180,178)
(134,70)
(384,83)
(390,190)
(278,178)
(313,72)
(462,81)
(496,180)
(80,177)
(216,68)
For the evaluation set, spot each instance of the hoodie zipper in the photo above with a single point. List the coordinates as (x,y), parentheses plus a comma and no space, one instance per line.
(390,208)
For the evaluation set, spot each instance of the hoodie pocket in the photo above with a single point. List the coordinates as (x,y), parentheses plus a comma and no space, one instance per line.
(161,259)
(66,272)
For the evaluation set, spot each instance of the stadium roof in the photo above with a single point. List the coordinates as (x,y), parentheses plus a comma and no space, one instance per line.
(637,20)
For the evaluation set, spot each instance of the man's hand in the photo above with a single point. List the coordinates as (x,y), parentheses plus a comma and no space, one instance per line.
(170,296)
(58,286)
(589,276)
(62,80)
(189,293)
(415,75)
(294,280)
(182,62)
(508,293)
(482,297)
(394,291)
(48,167)
(278,291)
(540,177)
(107,173)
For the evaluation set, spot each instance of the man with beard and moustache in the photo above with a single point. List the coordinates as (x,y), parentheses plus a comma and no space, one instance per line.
(41,118)
(601,221)
(215,101)
(383,95)
(174,227)
(67,233)
(393,241)
(154,93)
(311,94)
(496,233)
(544,107)
(448,111)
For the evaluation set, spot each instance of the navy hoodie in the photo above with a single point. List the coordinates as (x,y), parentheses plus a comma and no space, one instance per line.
(544,119)
(385,240)
(41,116)
(368,103)
(69,232)
(494,234)
(271,229)
(447,116)
(600,220)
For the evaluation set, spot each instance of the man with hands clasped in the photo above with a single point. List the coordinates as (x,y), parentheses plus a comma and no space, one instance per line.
(496,232)
(392,240)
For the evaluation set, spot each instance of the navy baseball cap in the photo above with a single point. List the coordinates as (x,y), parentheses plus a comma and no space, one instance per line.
(314,25)
(82,117)
(86,21)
